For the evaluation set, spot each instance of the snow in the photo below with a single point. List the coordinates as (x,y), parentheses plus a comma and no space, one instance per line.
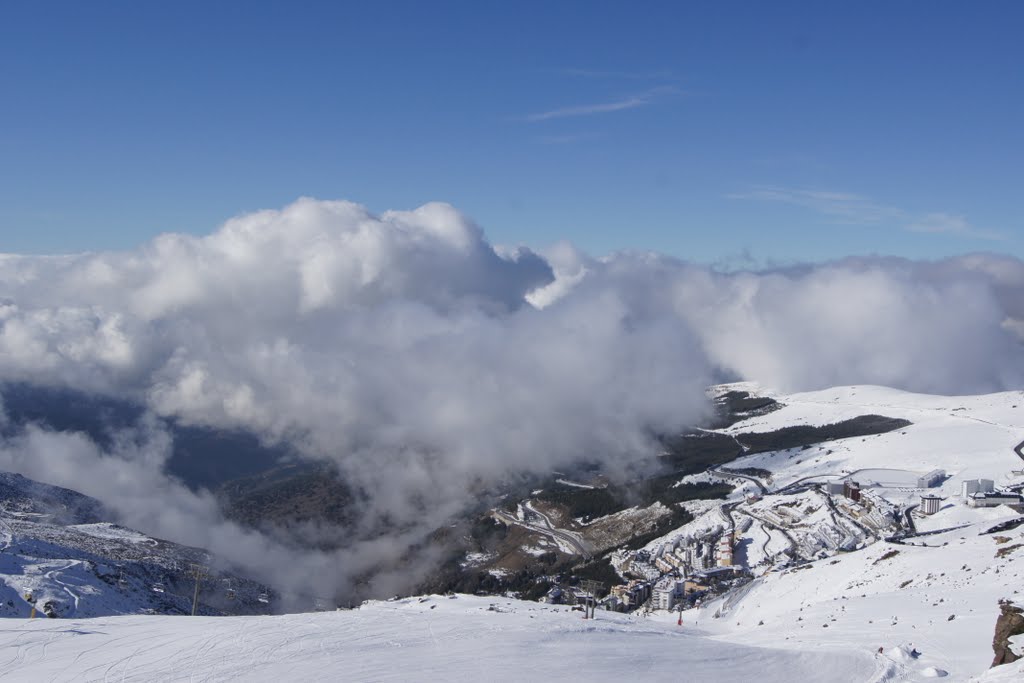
(955,512)
(1007,673)
(867,599)
(887,595)
(475,559)
(574,484)
(968,436)
(114,532)
(708,522)
(918,610)
(76,567)
(886,478)
(436,638)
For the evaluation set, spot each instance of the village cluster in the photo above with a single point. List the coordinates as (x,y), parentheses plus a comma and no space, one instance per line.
(799,523)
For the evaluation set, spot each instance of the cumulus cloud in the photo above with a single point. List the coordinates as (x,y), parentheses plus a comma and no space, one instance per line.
(425,363)
(892,323)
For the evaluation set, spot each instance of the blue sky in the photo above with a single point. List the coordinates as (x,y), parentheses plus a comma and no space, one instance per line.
(729,133)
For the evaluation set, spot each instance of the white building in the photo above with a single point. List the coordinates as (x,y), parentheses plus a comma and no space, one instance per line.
(991,500)
(661,597)
(666,593)
(725,551)
(933,478)
(834,488)
(970,486)
(930,504)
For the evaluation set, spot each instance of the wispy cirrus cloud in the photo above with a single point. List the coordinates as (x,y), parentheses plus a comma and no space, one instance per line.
(856,209)
(567,139)
(632,102)
(612,74)
(844,206)
(950,224)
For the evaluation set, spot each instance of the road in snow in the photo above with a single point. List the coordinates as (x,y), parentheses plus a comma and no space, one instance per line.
(566,540)
(726,474)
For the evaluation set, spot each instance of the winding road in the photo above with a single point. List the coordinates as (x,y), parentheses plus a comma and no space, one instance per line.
(545,527)
(729,474)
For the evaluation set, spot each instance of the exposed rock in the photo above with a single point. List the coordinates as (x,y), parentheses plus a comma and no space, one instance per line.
(1010,623)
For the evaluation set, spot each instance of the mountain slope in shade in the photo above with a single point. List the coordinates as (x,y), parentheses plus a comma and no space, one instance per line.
(55,547)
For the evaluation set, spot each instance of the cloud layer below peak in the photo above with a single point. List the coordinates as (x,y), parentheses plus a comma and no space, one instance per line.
(423,361)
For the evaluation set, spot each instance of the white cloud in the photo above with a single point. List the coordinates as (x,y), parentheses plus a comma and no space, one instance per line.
(950,224)
(567,139)
(632,102)
(423,362)
(610,74)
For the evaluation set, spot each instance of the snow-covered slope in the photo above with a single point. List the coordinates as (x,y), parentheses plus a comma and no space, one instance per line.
(968,436)
(939,596)
(432,638)
(26,498)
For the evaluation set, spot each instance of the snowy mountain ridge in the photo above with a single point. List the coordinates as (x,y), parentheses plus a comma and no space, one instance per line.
(58,555)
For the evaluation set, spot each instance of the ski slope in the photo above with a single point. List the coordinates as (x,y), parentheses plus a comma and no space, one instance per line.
(433,638)
(969,436)
(939,596)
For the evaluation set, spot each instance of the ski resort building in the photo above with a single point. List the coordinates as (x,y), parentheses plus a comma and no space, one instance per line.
(631,595)
(667,593)
(931,480)
(644,569)
(835,488)
(971,486)
(994,499)
(725,551)
(930,504)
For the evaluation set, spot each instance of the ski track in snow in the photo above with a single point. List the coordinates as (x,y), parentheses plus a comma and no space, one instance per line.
(436,639)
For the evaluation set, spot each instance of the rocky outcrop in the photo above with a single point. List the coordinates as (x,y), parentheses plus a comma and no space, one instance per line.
(1010,623)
